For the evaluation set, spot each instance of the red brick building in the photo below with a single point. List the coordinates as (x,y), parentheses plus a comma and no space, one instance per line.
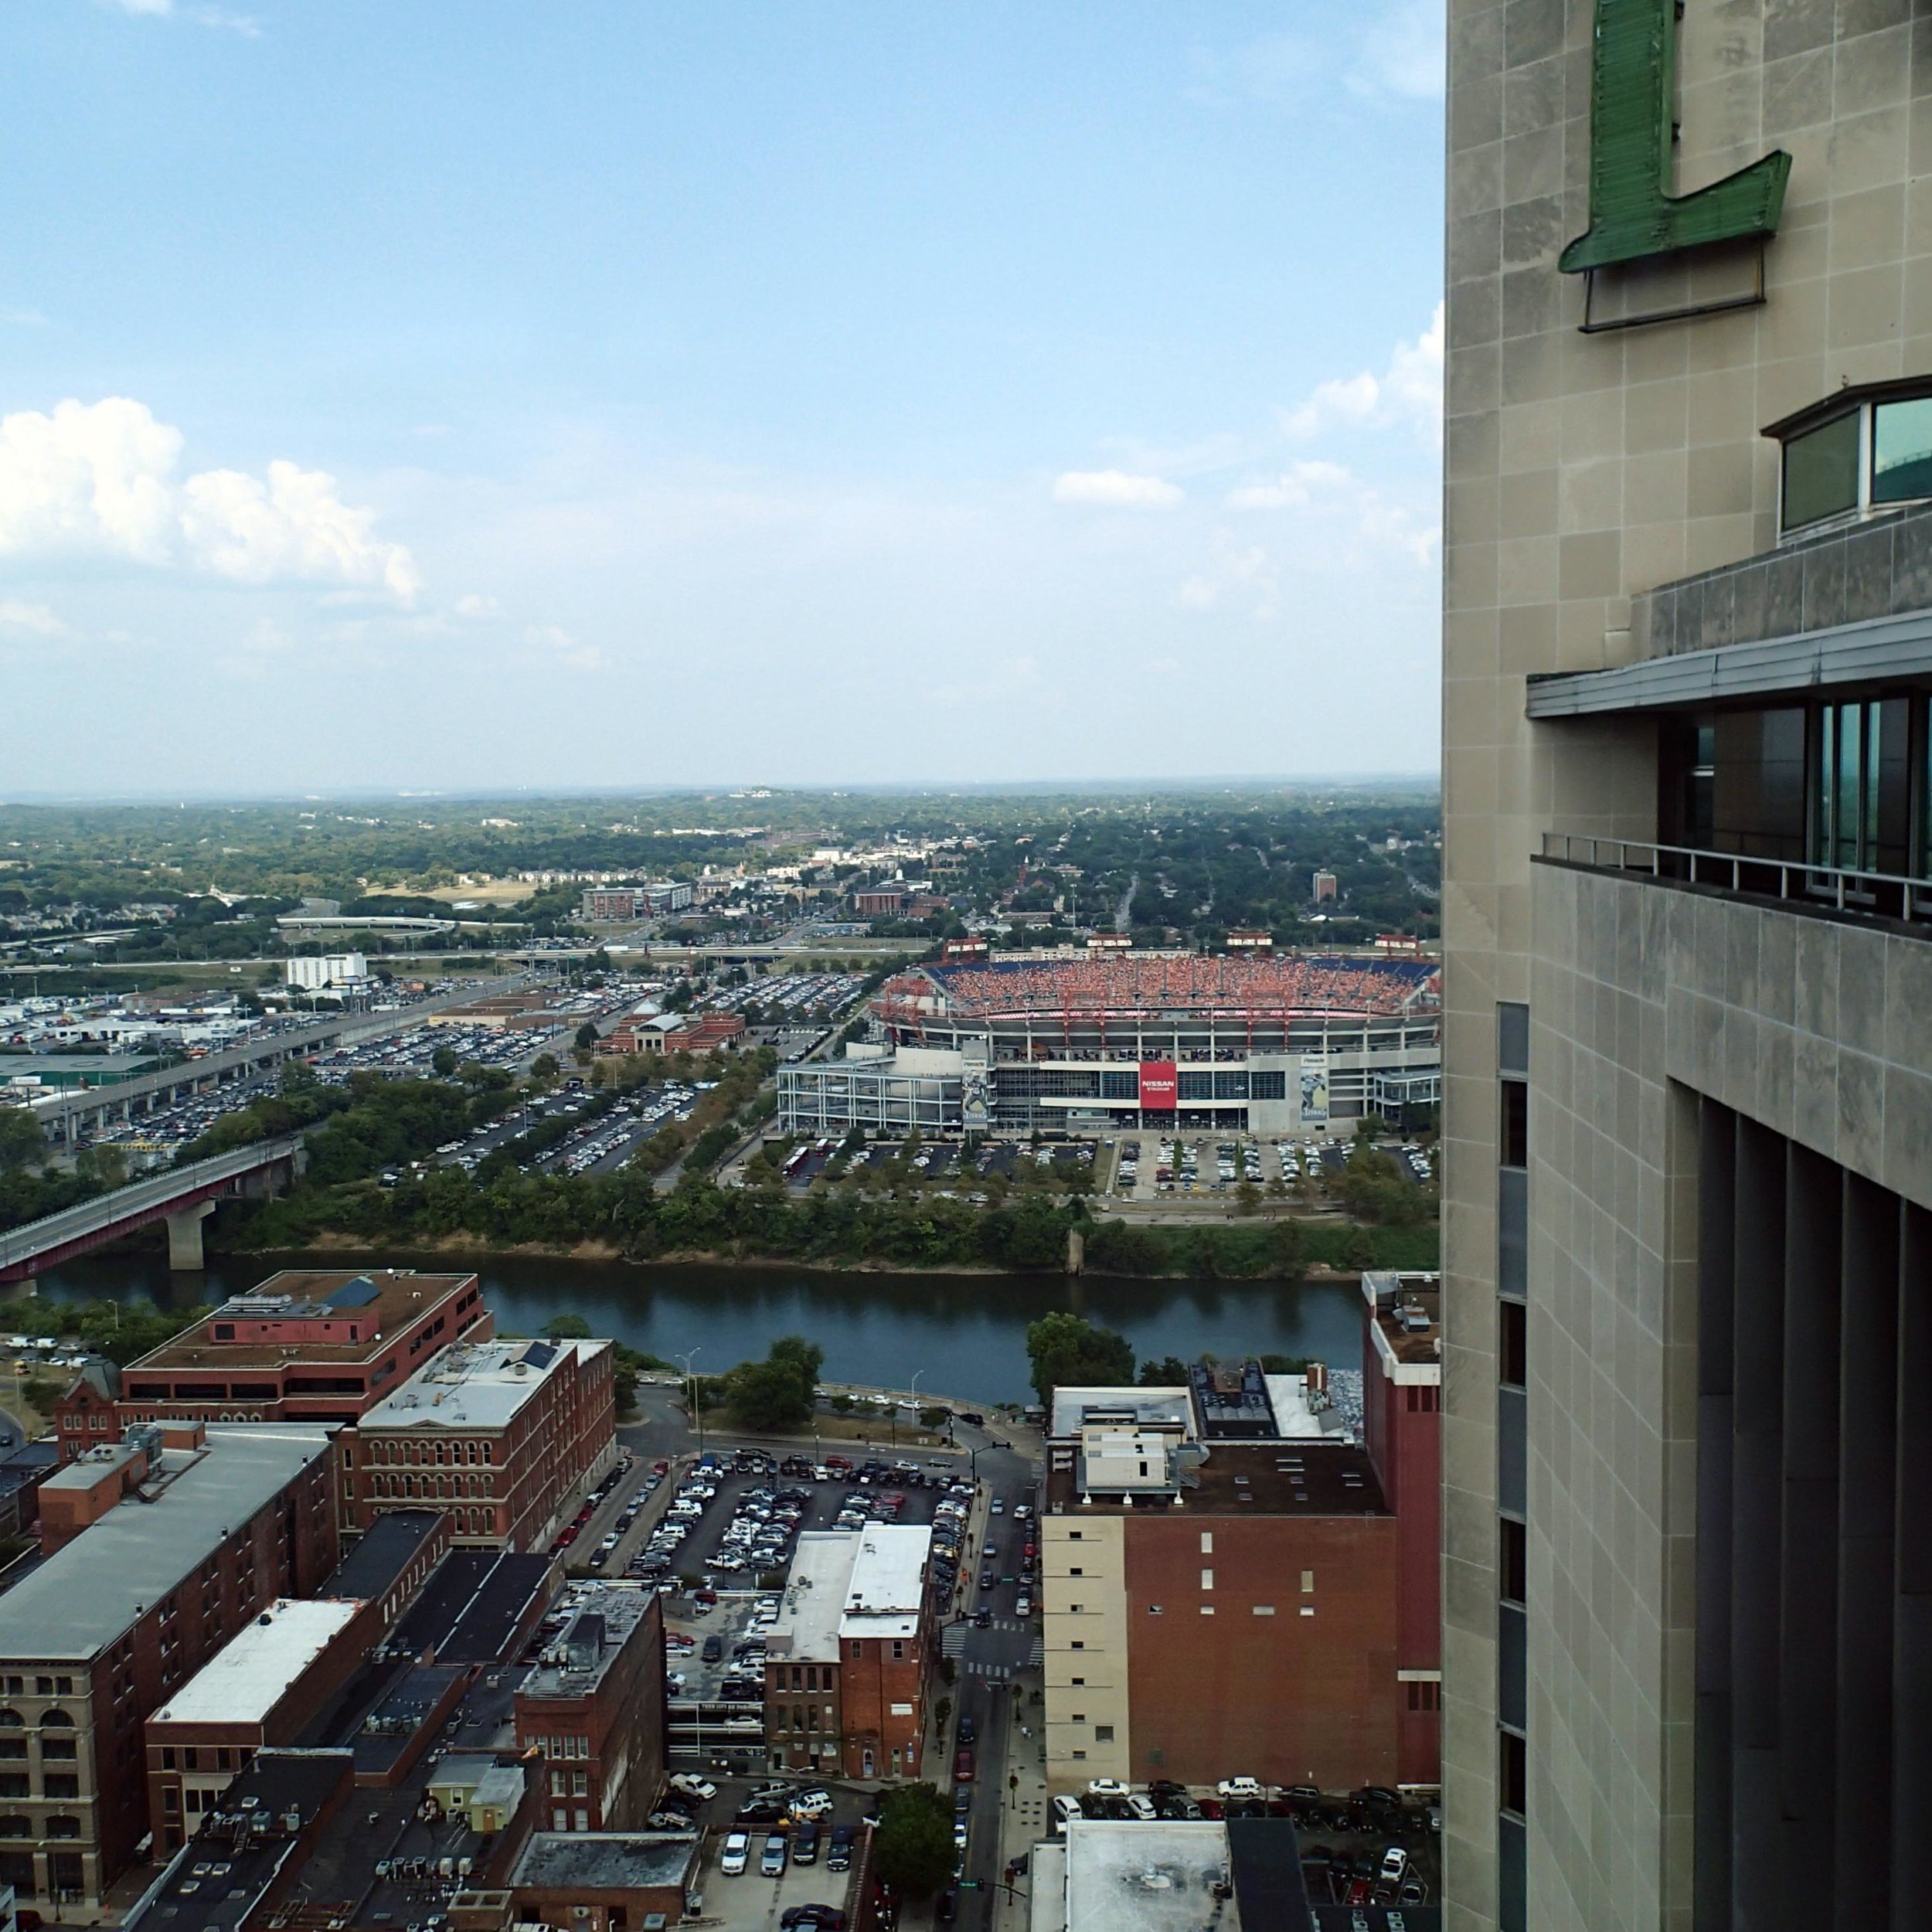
(591,1715)
(308,1345)
(1219,1579)
(675,1033)
(846,1670)
(497,1433)
(198,1531)
(1402,1426)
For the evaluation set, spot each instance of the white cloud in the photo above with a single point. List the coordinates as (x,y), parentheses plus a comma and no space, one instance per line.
(1408,390)
(1006,679)
(37,617)
(1246,573)
(1357,523)
(1403,52)
(563,648)
(293,525)
(99,478)
(202,16)
(22,318)
(1117,489)
(477,608)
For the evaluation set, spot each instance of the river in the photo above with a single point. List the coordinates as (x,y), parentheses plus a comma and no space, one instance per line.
(965,1334)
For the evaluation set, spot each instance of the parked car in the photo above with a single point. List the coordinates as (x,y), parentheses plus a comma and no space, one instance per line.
(963,1765)
(1395,1865)
(737,1850)
(771,1860)
(804,1844)
(1239,1787)
(838,1852)
(1107,1788)
(1064,1807)
(968,1730)
(701,1788)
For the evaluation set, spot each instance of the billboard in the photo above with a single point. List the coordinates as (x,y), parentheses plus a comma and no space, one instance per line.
(1314,1091)
(1159,1085)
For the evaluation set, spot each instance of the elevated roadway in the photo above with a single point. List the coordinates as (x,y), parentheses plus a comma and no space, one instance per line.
(183,1197)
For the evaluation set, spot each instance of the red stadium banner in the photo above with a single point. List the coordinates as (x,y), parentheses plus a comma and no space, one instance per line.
(1160,1085)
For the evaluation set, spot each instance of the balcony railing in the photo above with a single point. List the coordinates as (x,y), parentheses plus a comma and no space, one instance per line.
(1872,895)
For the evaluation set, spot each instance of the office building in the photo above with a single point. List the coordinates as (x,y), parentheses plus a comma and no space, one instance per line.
(315,973)
(499,1434)
(1221,1576)
(590,1716)
(603,902)
(1105,1876)
(846,1662)
(1688,598)
(310,1345)
(162,1548)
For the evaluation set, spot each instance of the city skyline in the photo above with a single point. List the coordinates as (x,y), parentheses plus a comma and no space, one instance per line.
(388,408)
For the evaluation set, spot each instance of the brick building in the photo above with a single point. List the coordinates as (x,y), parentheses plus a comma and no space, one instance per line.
(308,1345)
(497,1433)
(846,1662)
(675,1033)
(1219,1581)
(1402,1429)
(591,1715)
(198,1533)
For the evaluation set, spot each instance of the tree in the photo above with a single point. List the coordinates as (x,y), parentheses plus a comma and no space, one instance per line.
(931,1418)
(912,1846)
(102,1167)
(1170,1371)
(442,1062)
(567,1327)
(545,1068)
(1287,1251)
(586,1036)
(22,1142)
(778,1393)
(1247,1198)
(1360,1251)
(1068,1352)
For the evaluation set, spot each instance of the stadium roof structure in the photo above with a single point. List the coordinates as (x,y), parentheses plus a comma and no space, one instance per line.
(1164,984)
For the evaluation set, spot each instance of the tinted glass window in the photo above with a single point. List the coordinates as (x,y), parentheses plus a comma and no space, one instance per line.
(1821,472)
(1902,451)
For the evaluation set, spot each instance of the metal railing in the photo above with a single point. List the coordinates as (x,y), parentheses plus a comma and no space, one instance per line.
(1875,894)
(144,1196)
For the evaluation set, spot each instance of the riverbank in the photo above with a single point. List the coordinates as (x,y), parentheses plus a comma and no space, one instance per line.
(622,1217)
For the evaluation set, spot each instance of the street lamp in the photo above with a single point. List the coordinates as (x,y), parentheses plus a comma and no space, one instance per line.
(691,1392)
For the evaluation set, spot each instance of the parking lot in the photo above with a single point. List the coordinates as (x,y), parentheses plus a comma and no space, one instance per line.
(752,1900)
(1152,1166)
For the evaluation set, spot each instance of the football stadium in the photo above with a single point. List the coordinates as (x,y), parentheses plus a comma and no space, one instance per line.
(1278,1045)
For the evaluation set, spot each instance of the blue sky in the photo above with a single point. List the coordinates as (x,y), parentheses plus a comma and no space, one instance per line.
(495,394)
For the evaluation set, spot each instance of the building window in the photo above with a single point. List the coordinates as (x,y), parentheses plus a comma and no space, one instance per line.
(1821,472)
(1513,1344)
(1263,1610)
(1077,1754)
(1207,1580)
(1515,1562)
(1207,1543)
(1514,1772)
(1307,1583)
(1154,1610)
(1103,1733)
(1078,1683)
(1513,1136)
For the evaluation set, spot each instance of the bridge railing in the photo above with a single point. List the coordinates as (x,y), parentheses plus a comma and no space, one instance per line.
(152,1191)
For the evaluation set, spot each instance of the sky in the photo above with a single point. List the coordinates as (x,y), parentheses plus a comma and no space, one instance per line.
(485,394)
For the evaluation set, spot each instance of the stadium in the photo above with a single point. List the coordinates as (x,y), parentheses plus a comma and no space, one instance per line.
(1267,1044)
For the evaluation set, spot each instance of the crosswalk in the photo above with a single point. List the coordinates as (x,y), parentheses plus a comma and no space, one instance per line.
(996,1672)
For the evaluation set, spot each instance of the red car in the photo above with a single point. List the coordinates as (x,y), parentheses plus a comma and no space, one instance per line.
(1210,1807)
(963,1766)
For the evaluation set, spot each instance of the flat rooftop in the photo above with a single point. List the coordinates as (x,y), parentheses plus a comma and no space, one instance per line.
(1146,1408)
(887,1586)
(1405,1315)
(1285,1478)
(603,1616)
(1122,1877)
(256,1669)
(606,1861)
(299,1294)
(807,1631)
(382,1553)
(474,1384)
(90,1592)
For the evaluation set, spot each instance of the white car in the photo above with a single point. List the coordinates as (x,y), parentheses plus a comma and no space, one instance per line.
(737,1850)
(1065,1808)
(701,1788)
(1105,1787)
(1142,1808)
(1239,1787)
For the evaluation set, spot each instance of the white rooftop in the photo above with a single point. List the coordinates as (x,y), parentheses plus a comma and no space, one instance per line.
(807,1631)
(1295,1419)
(250,1676)
(888,1582)
(474,1384)
(1153,1877)
(1166,1408)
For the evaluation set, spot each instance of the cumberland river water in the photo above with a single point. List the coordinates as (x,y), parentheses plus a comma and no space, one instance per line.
(965,1334)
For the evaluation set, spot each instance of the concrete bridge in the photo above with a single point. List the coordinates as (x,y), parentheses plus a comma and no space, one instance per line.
(184,1197)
